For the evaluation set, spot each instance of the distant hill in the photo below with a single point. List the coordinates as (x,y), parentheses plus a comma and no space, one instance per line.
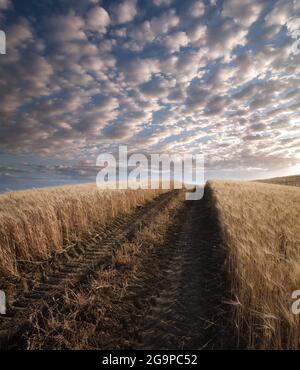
(287,180)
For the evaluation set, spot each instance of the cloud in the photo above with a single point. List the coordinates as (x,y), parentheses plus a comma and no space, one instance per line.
(5,4)
(152,30)
(293,24)
(280,13)
(162,76)
(65,28)
(224,37)
(97,19)
(197,33)
(165,22)
(244,12)
(176,41)
(216,105)
(125,11)
(18,37)
(157,88)
(141,70)
(185,66)
(162,2)
(197,9)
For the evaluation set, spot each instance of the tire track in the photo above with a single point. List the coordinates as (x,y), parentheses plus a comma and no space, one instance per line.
(188,311)
(44,285)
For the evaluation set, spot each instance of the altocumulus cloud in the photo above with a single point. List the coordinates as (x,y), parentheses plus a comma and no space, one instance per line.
(221,77)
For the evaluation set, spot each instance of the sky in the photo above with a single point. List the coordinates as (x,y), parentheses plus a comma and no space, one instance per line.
(80,77)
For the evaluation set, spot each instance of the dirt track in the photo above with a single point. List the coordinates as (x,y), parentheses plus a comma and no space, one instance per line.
(173,295)
(187,309)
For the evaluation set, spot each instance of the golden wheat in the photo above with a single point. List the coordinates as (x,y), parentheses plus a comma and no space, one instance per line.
(260,224)
(36,223)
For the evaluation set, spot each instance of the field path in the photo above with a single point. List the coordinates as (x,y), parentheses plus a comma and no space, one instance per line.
(188,311)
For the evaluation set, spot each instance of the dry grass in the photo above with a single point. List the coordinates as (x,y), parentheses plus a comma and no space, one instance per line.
(260,223)
(36,223)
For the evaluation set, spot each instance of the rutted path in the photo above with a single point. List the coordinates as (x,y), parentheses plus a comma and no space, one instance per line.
(188,312)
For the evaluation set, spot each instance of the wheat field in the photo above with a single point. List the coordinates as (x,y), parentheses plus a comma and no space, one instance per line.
(36,223)
(260,226)
(257,228)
